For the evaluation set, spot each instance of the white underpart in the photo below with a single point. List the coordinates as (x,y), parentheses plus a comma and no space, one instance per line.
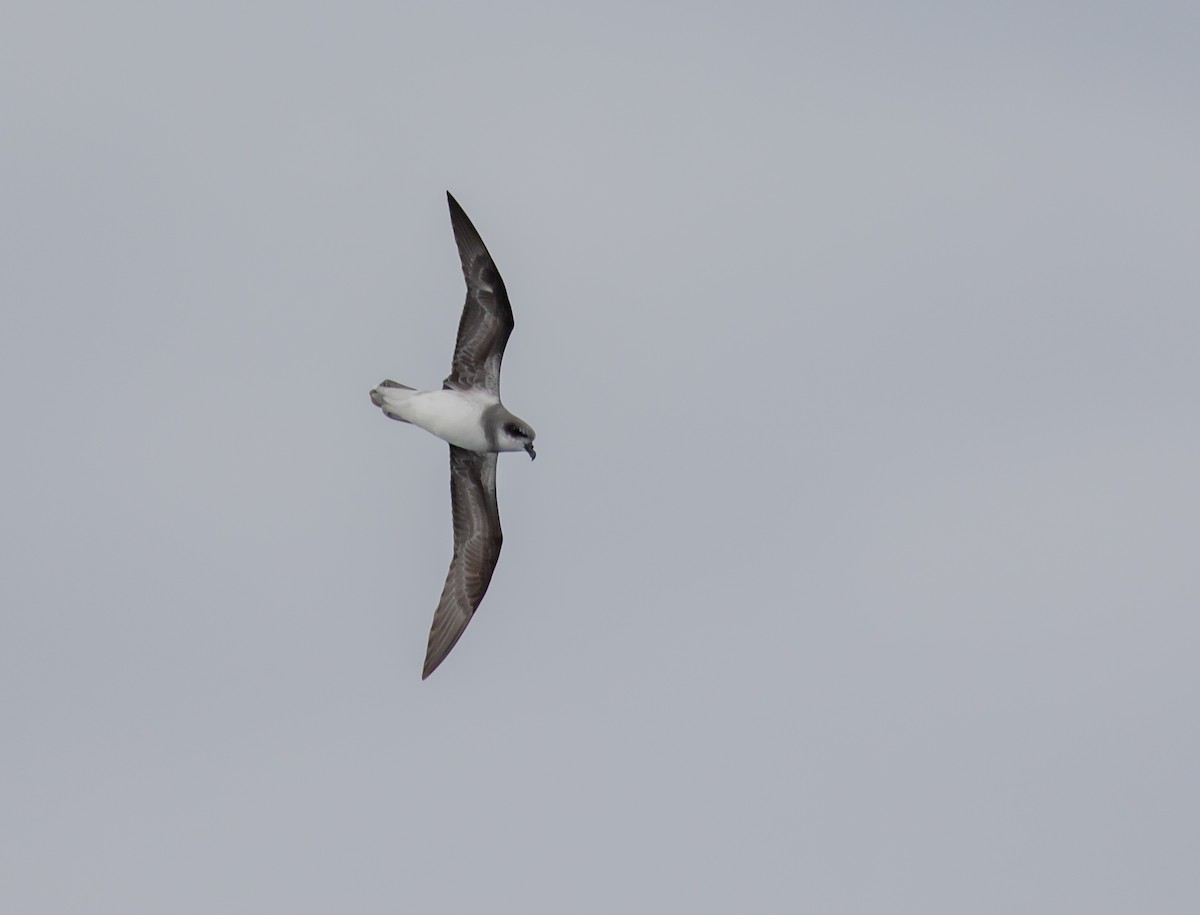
(453,416)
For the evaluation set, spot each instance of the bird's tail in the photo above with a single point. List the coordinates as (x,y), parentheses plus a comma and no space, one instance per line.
(389,395)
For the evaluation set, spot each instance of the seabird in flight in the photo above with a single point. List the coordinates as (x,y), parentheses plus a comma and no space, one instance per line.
(468,414)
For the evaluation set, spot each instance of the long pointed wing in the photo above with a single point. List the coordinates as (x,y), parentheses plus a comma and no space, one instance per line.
(477,540)
(487,317)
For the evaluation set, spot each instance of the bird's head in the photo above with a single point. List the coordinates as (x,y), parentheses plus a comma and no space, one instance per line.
(517,435)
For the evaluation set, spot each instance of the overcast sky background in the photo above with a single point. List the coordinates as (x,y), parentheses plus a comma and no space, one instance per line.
(858,571)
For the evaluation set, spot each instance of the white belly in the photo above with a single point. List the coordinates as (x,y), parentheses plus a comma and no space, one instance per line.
(453,416)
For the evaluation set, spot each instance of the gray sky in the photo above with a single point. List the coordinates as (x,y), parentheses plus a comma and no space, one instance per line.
(857,573)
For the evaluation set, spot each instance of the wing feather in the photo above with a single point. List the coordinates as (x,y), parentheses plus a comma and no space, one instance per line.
(487,318)
(477,541)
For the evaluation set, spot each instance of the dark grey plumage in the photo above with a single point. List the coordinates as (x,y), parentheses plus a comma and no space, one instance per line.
(477,541)
(483,332)
(487,318)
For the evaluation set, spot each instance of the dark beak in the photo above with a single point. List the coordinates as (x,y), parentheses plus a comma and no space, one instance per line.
(532,453)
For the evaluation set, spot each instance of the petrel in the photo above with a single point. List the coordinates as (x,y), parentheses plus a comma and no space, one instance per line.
(468,414)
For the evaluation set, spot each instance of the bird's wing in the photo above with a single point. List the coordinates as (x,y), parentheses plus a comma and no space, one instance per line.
(477,540)
(487,317)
